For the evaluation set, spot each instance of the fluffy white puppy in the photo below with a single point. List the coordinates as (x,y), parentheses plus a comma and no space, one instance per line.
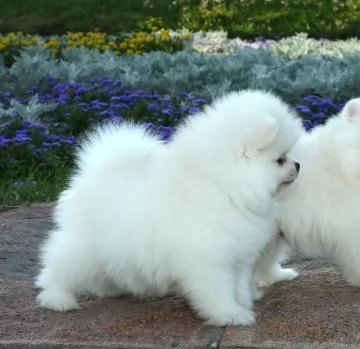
(320,212)
(146,218)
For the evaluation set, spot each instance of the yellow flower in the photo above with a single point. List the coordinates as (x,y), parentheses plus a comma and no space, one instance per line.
(129,52)
(123,45)
(165,35)
(53,43)
(112,44)
(26,43)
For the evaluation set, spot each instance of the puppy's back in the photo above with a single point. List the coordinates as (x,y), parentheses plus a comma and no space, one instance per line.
(113,146)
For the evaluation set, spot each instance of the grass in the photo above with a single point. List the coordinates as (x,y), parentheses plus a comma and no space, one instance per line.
(44,189)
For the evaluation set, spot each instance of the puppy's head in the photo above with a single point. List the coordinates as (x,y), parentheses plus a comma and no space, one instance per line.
(264,131)
(242,141)
(266,148)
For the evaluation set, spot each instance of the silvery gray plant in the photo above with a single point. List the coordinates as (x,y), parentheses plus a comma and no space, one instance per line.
(27,111)
(193,72)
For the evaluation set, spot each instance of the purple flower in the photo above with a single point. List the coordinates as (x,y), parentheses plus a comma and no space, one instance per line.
(194,110)
(69,140)
(308,124)
(303,108)
(20,138)
(152,106)
(4,141)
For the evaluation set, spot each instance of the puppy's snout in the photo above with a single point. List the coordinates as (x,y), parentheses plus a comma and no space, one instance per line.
(297,167)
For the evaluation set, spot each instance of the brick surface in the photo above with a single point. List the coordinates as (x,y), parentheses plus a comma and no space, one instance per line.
(317,310)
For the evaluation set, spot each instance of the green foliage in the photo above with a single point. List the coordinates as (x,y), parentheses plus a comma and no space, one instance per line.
(58,17)
(244,18)
(270,18)
(33,188)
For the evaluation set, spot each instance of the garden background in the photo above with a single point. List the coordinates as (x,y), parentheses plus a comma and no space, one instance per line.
(66,66)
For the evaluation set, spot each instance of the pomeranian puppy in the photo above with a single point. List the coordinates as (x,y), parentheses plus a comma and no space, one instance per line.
(320,212)
(189,217)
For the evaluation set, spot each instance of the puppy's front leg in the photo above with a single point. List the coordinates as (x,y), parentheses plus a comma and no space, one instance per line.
(246,291)
(211,291)
(268,269)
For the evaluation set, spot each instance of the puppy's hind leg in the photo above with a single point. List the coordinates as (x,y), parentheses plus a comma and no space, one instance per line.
(66,270)
(105,288)
(350,269)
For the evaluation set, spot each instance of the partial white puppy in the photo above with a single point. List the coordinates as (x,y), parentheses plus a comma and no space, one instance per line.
(320,212)
(145,218)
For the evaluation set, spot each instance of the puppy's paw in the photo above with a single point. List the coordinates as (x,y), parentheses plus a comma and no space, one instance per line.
(257,294)
(287,274)
(57,300)
(242,316)
(276,275)
(351,272)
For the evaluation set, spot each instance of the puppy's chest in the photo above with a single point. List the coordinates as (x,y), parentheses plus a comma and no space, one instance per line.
(253,233)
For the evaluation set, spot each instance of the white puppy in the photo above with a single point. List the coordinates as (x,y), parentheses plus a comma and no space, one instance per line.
(145,218)
(320,212)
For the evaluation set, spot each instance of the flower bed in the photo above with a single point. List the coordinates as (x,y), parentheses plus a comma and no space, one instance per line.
(296,46)
(40,129)
(159,39)
(196,73)
(46,103)
(126,44)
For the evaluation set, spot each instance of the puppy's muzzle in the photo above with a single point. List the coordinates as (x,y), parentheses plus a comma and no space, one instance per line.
(292,175)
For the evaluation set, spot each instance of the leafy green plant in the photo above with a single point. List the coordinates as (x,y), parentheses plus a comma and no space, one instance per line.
(272,18)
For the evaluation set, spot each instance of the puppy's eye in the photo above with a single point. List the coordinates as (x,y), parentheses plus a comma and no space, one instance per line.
(281,161)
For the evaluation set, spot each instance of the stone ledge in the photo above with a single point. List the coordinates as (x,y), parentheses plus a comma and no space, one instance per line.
(317,310)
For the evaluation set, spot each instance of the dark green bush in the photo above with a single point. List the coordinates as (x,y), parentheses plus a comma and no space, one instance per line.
(244,18)
(58,17)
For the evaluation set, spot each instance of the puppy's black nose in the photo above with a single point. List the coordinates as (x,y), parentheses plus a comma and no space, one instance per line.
(297,166)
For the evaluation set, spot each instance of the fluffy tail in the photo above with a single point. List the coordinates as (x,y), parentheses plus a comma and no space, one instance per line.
(112,145)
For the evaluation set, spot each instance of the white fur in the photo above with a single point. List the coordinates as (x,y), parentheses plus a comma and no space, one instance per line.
(320,212)
(147,218)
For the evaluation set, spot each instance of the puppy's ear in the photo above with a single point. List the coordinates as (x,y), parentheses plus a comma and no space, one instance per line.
(351,110)
(261,136)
